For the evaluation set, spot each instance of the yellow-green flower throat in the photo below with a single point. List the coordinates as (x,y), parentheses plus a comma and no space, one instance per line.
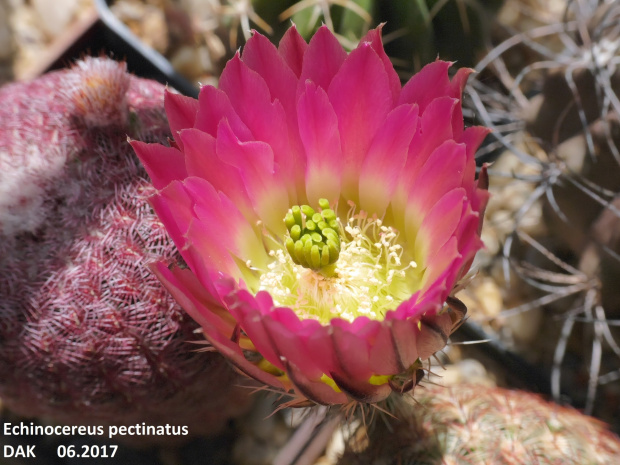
(328,269)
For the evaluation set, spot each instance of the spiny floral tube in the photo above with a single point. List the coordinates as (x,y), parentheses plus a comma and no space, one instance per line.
(324,214)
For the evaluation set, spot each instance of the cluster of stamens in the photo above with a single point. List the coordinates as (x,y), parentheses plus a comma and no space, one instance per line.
(313,240)
(370,277)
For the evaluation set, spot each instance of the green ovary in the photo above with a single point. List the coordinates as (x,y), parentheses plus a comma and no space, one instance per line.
(364,277)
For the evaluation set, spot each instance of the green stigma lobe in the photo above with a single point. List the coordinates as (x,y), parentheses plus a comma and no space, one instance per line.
(313,240)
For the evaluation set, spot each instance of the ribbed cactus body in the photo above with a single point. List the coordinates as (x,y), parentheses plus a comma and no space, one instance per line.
(473,424)
(87,334)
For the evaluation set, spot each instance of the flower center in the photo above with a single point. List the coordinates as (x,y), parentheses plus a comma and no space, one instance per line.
(365,276)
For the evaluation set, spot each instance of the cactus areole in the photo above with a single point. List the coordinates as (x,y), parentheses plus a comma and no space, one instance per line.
(324,212)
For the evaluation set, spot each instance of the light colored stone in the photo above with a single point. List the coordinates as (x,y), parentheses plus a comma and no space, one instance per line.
(525,326)
(146,21)
(468,371)
(187,62)
(54,16)
(483,298)
(155,29)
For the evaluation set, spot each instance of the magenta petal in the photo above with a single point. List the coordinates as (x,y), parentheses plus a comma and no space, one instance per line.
(435,129)
(479,204)
(246,89)
(262,56)
(290,346)
(264,302)
(258,155)
(206,237)
(374,38)
(302,328)
(351,351)
(362,326)
(472,138)
(429,300)
(457,85)
(262,179)
(317,391)
(322,60)
(292,48)
(467,232)
(287,317)
(198,302)
(458,82)
(446,261)
(442,172)
(404,335)
(360,94)
(383,359)
(439,224)
(378,176)
(362,391)
(320,344)
(250,97)
(223,226)
(181,112)
(186,289)
(215,106)
(434,334)
(163,164)
(174,207)
(481,196)
(429,83)
(202,161)
(245,308)
(318,127)
(235,355)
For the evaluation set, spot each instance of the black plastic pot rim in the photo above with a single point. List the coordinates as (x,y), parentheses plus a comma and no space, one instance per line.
(169,74)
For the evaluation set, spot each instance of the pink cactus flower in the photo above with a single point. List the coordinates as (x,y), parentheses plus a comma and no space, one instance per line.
(324,214)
